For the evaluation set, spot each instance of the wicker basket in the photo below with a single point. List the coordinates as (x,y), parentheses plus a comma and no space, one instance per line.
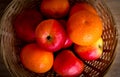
(11,46)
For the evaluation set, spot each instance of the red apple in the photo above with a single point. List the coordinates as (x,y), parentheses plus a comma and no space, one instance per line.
(68,42)
(55,8)
(50,35)
(82,6)
(67,64)
(91,52)
(25,24)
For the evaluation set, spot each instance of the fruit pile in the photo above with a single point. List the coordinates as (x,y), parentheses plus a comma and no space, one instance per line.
(59,36)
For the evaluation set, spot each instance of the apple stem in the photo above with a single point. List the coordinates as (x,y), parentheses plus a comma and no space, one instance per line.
(100,46)
(49,38)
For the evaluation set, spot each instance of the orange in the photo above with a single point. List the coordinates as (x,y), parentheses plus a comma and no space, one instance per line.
(54,8)
(36,59)
(84,28)
(82,6)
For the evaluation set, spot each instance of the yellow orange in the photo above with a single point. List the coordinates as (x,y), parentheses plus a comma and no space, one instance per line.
(84,28)
(55,8)
(36,59)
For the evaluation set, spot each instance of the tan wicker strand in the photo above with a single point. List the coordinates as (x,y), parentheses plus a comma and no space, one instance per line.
(11,46)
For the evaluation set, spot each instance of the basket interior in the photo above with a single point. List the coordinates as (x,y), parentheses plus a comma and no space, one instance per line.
(11,46)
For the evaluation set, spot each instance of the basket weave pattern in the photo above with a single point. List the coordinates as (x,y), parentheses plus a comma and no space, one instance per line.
(11,46)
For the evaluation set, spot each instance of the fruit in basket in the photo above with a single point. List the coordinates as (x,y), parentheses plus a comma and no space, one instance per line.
(91,52)
(50,35)
(84,28)
(68,42)
(54,8)
(25,24)
(36,59)
(67,64)
(82,6)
